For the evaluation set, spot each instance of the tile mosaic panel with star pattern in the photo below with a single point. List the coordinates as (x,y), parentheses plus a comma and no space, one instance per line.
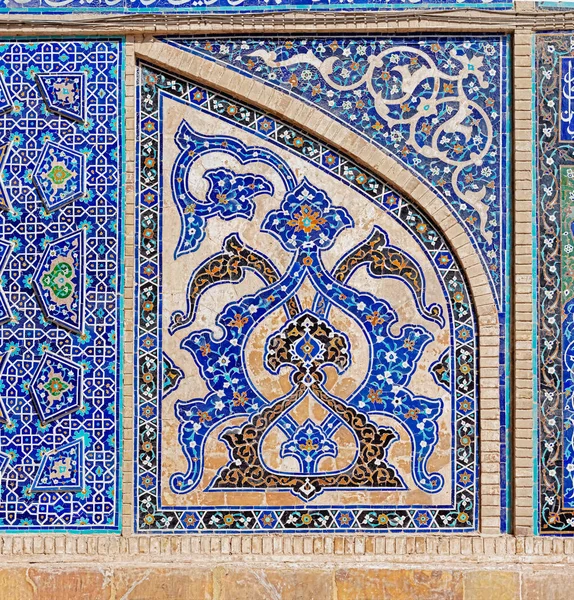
(61,284)
(305,342)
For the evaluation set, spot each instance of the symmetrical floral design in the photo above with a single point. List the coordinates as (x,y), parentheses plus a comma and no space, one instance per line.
(438,105)
(59,281)
(59,176)
(307,225)
(56,387)
(61,469)
(64,94)
(306,220)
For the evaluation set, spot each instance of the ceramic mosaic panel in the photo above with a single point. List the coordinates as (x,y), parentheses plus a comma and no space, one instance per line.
(306,350)
(234,6)
(554,196)
(438,105)
(60,258)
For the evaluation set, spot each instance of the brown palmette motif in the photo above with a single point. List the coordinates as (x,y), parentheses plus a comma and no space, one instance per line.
(384,260)
(369,470)
(229,265)
(308,343)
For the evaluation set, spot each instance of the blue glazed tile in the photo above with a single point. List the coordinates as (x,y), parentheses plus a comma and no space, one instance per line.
(554,192)
(61,281)
(234,6)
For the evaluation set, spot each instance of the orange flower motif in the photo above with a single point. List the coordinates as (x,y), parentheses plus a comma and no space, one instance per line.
(413,413)
(375,318)
(458,148)
(293,80)
(238,321)
(239,398)
(374,396)
(307,220)
(448,88)
(409,344)
(203,416)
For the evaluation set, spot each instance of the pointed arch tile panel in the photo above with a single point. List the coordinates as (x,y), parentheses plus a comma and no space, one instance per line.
(306,343)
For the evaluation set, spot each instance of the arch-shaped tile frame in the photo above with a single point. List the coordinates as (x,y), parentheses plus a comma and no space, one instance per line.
(314,122)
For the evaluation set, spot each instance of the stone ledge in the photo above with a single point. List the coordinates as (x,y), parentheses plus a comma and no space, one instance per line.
(294,582)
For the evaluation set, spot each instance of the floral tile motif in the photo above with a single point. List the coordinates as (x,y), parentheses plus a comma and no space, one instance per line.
(61,284)
(555,261)
(296,368)
(438,105)
(231,6)
(64,94)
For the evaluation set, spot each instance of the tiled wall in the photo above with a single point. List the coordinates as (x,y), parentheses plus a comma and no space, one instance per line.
(265,283)
(62,204)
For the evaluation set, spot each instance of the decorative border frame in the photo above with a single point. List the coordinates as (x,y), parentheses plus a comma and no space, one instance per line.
(461,516)
(241,7)
(551,155)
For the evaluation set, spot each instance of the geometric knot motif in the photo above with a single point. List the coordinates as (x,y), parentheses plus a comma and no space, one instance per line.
(5,203)
(5,252)
(61,469)
(4,416)
(6,102)
(59,176)
(64,93)
(56,387)
(59,281)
